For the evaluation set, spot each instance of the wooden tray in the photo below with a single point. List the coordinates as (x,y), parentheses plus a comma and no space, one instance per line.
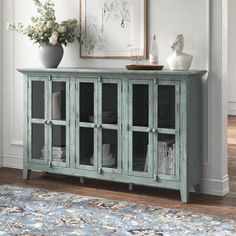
(144,67)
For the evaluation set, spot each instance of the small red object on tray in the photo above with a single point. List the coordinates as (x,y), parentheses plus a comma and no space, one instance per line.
(144,67)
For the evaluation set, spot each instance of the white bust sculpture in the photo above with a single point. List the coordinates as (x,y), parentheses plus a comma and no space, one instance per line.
(178,59)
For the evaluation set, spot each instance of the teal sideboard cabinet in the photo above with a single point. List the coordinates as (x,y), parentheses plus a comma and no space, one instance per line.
(135,127)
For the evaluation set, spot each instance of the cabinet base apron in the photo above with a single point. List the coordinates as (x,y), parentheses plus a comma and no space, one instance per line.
(184,193)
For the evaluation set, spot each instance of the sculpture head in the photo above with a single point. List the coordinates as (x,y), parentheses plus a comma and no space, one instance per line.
(178,43)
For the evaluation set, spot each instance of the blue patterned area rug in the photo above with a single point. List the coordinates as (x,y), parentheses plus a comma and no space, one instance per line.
(38,212)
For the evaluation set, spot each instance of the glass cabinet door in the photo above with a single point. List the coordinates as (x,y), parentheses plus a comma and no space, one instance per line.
(166,159)
(37,115)
(86,124)
(140,128)
(109,126)
(58,122)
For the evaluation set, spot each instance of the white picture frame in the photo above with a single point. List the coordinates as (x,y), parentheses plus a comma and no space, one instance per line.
(112,28)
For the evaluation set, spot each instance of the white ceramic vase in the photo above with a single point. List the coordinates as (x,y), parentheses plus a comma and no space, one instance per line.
(51,55)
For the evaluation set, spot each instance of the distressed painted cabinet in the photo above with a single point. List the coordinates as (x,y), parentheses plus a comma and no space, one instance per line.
(136,127)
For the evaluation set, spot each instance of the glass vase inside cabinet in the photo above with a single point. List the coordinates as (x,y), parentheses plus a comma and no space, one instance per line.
(140,128)
(59,100)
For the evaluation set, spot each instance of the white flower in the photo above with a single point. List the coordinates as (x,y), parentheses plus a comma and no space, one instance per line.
(61,29)
(40,28)
(49,24)
(53,38)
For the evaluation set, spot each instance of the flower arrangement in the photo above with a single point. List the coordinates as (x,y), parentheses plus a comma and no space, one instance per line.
(44,29)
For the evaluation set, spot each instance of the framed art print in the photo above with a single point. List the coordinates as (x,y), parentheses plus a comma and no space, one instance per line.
(110,28)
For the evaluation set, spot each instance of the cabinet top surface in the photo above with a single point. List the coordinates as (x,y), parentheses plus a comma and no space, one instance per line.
(110,71)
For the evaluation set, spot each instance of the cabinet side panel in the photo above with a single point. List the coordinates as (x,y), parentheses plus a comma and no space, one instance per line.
(25,129)
(194,130)
(184,181)
(72,122)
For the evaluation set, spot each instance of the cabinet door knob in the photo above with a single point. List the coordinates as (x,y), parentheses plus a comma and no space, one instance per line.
(149,130)
(155,177)
(47,122)
(100,170)
(99,126)
(154,131)
(50,164)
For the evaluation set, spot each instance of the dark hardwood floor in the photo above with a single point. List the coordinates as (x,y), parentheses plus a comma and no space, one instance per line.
(222,206)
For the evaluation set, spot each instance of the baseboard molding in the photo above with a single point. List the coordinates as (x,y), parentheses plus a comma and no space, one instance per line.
(12,161)
(232,108)
(1,160)
(216,187)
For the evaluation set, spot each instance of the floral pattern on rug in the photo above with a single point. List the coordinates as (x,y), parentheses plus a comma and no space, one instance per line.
(38,212)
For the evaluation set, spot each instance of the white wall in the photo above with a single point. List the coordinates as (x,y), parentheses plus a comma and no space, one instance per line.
(232,58)
(1,85)
(166,18)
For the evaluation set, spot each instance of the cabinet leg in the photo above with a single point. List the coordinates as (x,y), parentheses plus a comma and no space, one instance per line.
(198,188)
(82,180)
(130,187)
(184,195)
(26,173)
